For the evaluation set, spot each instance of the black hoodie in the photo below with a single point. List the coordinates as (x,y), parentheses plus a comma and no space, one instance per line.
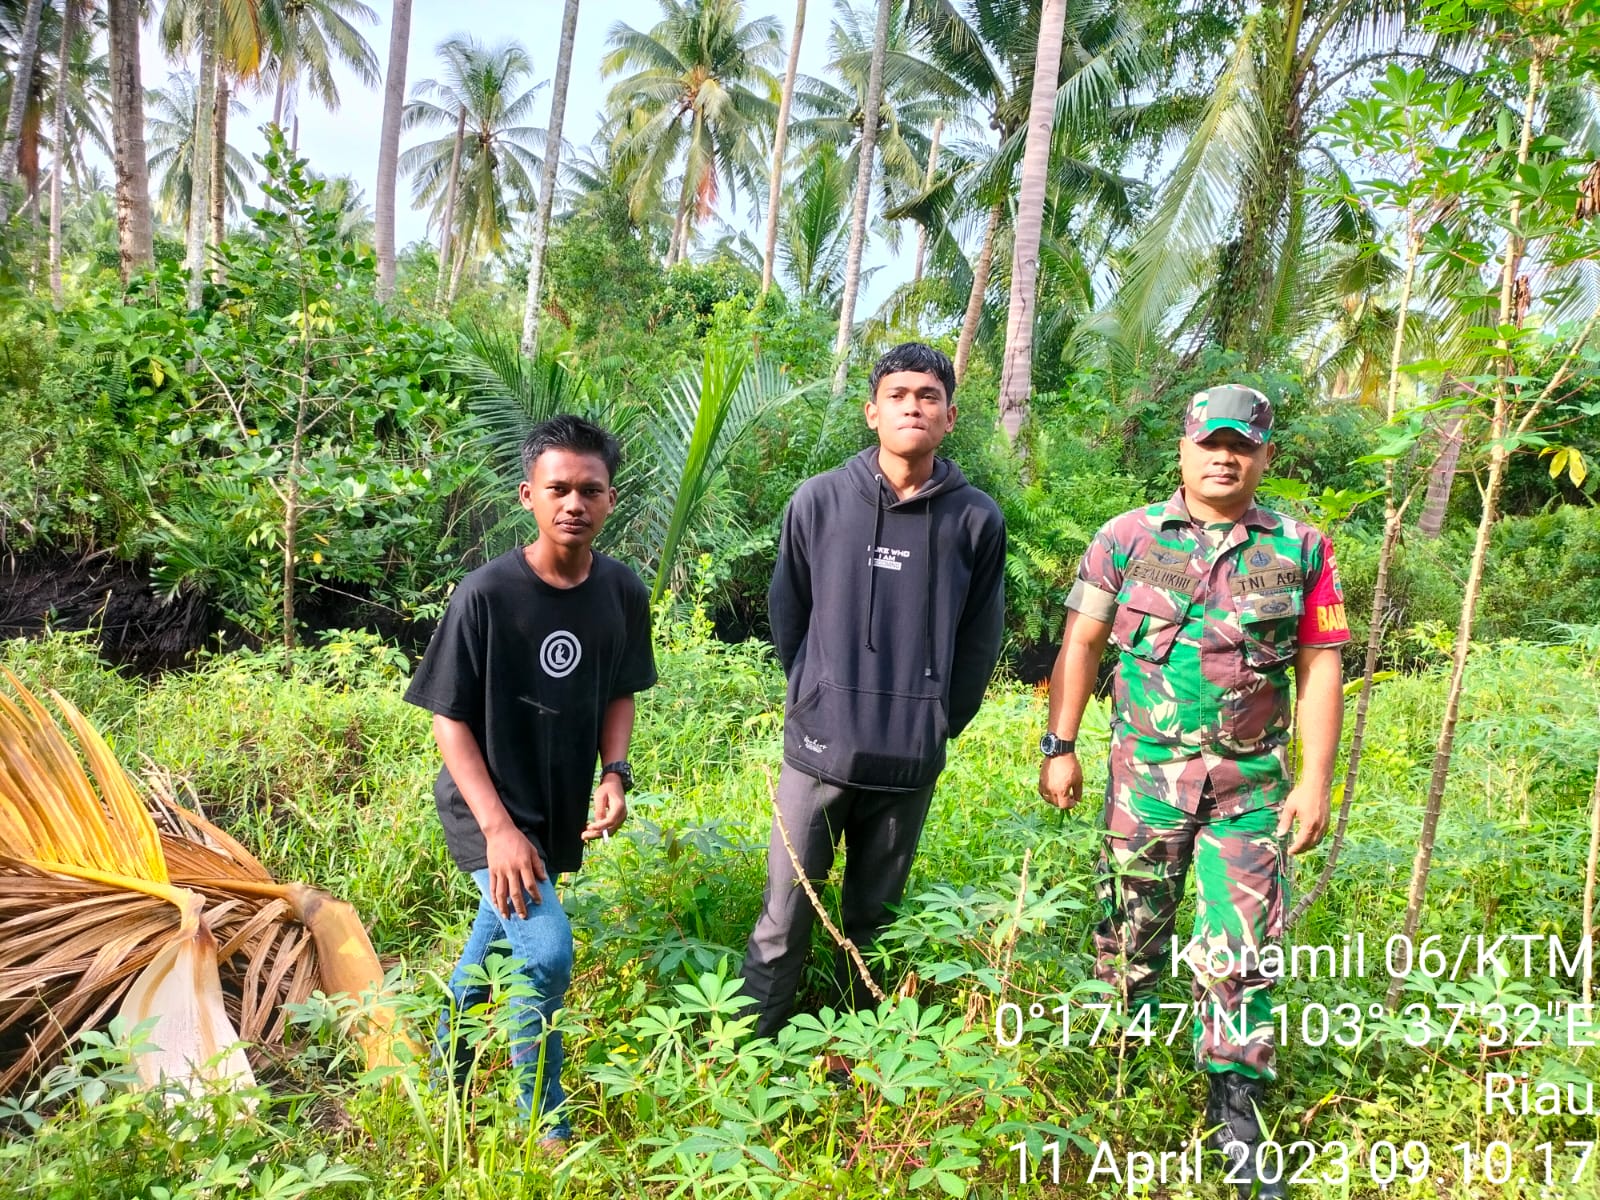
(887,615)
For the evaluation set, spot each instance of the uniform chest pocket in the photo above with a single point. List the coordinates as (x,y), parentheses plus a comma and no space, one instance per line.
(1145,626)
(1270,622)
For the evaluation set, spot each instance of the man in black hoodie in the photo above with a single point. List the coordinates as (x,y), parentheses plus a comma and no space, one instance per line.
(887,606)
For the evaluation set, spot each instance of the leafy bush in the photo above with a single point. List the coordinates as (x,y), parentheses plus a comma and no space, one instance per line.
(1540,574)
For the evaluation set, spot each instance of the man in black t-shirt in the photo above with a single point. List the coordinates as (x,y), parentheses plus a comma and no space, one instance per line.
(531,677)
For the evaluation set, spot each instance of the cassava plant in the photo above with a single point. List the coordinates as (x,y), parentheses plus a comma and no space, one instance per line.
(1408,135)
(1528,188)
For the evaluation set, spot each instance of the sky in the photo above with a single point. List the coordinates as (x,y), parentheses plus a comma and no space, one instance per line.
(346,141)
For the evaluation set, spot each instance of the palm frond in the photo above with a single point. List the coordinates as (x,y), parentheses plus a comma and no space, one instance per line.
(174,923)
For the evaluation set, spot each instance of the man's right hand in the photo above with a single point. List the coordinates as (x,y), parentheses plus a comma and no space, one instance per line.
(515,871)
(1061,780)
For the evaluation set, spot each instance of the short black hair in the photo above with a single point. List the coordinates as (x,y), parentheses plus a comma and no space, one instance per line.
(567,432)
(915,356)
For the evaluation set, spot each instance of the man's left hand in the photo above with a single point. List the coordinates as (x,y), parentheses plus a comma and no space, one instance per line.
(610,809)
(1308,808)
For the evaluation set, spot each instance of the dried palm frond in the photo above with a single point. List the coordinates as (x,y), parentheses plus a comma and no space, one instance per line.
(101,906)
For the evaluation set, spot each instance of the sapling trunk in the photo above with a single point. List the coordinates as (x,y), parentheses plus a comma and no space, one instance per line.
(1588,889)
(1392,514)
(1498,455)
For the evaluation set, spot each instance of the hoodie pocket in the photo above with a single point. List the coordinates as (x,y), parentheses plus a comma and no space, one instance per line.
(851,736)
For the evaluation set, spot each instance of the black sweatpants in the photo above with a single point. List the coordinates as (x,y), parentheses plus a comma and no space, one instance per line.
(880,830)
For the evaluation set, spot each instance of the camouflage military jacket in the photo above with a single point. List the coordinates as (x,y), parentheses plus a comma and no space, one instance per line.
(1205,638)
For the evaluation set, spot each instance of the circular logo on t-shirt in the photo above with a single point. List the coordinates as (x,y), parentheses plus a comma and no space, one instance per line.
(559,654)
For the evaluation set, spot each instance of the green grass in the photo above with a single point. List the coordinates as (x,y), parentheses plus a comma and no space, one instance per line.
(328,776)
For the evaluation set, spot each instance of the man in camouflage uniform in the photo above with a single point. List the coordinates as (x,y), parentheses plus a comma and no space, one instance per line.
(1209,600)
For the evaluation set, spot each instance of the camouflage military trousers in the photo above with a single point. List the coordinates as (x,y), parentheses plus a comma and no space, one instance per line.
(1241,892)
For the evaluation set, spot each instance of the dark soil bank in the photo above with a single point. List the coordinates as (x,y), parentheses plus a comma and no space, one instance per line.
(95,591)
(137,630)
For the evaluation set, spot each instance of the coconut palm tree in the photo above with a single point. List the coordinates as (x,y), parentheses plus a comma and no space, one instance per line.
(1016,378)
(305,40)
(547,182)
(991,45)
(22,80)
(172,150)
(697,102)
(394,98)
(135,229)
(816,229)
(470,179)
(81,69)
(63,57)
(1223,257)
(917,95)
(344,197)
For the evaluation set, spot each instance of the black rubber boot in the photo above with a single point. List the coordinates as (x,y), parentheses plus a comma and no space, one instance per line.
(1233,1113)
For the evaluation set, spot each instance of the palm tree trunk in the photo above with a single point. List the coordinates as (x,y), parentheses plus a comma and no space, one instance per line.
(927,183)
(21,88)
(462,243)
(678,224)
(448,232)
(1499,454)
(278,94)
(780,143)
(68,10)
(863,197)
(980,285)
(200,156)
(1016,373)
(135,229)
(690,200)
(394,99)
(547,182)
(219,164)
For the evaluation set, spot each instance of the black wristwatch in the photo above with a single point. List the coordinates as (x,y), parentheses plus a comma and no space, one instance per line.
(1052,746)
(622,770)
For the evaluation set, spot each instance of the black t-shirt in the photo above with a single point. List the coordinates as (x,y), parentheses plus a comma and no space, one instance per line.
(531,668)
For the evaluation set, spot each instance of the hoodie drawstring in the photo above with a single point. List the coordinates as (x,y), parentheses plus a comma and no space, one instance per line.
(872,556)
(927,599)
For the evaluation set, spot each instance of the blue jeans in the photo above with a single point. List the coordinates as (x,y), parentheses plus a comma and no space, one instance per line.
(540,946)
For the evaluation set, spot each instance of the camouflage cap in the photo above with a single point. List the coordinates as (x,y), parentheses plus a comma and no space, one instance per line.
(1229,406)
